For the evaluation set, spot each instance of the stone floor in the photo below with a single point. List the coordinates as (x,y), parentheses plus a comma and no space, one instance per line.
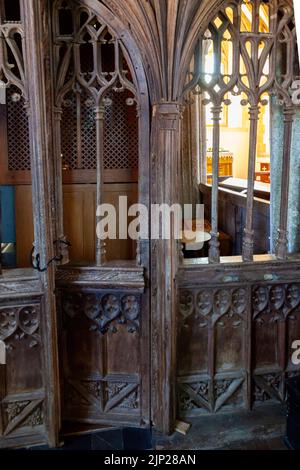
(262,429)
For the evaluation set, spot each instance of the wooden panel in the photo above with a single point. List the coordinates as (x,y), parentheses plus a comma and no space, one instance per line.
(232,216)
(192,334)
(100,345)
(80,221)
(24,225)
(22,391)
(77,214)
(250,326)
(90,177)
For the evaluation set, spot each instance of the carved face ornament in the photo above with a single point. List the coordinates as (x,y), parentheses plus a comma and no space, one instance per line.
(293,295)
(186,303)
(92,307)
(204,302)
(277,297)
(131,307)
(111,307)
(222,302)
(260,299)
(29,320)
(8,323)
(239,301)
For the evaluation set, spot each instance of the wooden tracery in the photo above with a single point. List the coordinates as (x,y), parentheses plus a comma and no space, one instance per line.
(96,108)
(15,161)
(263,63)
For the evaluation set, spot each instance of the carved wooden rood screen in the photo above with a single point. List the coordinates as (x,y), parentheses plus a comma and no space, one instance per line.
(98,114)
(91,111)
(76,81)
(24,409)
(238,318)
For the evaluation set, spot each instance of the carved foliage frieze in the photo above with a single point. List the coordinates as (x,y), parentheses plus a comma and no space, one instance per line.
(208,395)
(19,414)
(268,387)
(105,311)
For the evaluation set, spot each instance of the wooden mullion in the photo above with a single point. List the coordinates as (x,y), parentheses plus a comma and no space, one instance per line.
(2,395)
(248,241)
(282,242)
(214,246)
(248,351)
(211,363)
(100,244)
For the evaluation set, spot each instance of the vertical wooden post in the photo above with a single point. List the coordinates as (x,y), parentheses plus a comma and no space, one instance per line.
(214,251)
(35,13)
(100,244)
(282,242)
(62,249)
(165,258)
(2,394)
(248,241)
(79,129)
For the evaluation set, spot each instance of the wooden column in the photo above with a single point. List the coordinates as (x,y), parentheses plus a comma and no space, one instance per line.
(282,242)
(36,55)
(248,241)
(214,245)
(100,244)
(164,262)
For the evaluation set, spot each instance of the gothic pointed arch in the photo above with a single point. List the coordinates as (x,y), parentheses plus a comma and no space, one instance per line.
(101,113)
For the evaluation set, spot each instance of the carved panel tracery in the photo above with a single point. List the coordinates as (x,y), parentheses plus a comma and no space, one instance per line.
(259,41)
(234,345)
(93,81)
(15,159)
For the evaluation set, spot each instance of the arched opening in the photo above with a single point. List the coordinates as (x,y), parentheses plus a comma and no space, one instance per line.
(240,127)
(239,89)
(101,153)
(16,209)
(99,116)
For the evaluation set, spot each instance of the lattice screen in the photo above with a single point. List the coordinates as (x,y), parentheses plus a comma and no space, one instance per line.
(69,132)
(120,132)
(17,131)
